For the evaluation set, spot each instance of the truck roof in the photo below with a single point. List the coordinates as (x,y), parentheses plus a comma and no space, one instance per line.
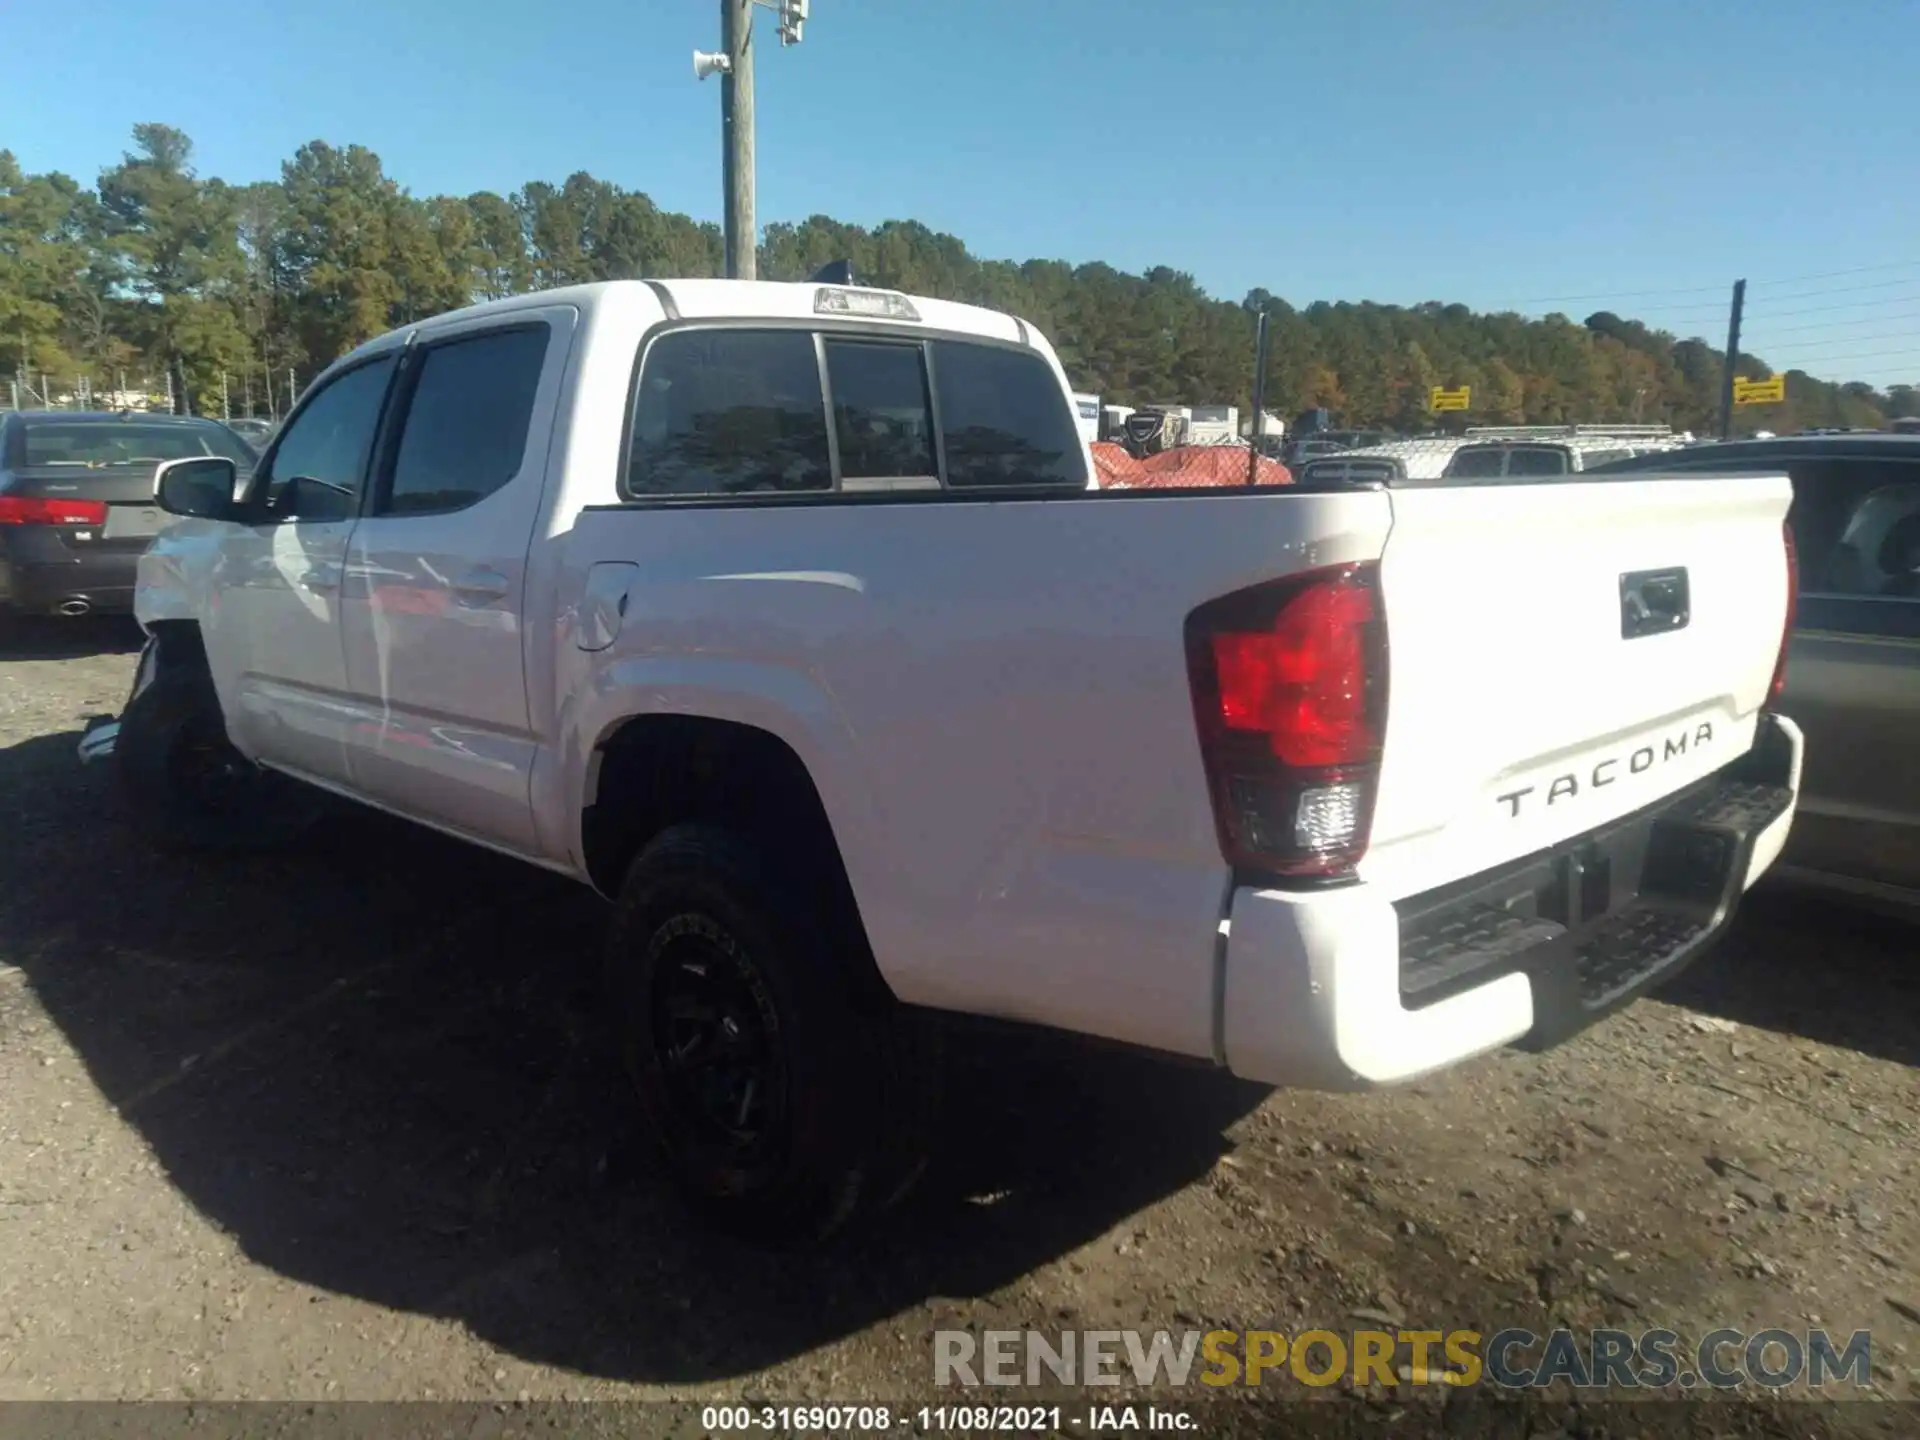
(1581,444)
(731,299)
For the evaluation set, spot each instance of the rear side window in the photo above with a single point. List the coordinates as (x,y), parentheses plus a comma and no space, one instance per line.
(1594,459)
(1003,419)
(882,420)
(465,434)
(729,412)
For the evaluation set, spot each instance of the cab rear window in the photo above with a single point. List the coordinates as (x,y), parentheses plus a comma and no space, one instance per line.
(740,411)
(729,412)
(1003,419)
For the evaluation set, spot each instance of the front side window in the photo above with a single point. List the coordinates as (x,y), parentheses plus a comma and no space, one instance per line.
(729,412)
(465,434)
(320,465)
(881,417)
(1003,419)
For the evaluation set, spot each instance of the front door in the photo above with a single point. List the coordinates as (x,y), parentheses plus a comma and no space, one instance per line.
(273,622)
(436,579)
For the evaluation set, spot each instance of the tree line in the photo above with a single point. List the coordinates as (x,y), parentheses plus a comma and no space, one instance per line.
(155,270)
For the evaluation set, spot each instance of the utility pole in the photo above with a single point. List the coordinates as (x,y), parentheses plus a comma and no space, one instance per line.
(736,125)
(1259,396)
(1733,359)
(733,63)
(291,395)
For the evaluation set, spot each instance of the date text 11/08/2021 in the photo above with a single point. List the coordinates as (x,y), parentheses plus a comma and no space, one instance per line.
(936,1419)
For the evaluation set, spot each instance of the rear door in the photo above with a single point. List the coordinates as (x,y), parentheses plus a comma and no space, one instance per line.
(432,604)
(1534,690)
(1853,674)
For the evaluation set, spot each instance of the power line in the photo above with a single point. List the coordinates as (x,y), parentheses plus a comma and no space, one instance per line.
(1618,295)
(1843,324)
(1847,305)
(1842,274)
(1830,360)
(1623,295)
(1887,379)
(1801,345)
(1845,289)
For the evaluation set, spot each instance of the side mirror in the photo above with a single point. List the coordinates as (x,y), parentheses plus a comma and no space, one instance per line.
(200,488)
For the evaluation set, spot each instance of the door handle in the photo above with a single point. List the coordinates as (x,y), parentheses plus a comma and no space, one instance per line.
(481,587)
(321,578)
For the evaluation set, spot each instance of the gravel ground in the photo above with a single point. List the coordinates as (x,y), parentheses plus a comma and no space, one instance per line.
(344,1124)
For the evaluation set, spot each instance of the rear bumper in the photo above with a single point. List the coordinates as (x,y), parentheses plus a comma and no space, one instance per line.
(1345,989)
(42,575)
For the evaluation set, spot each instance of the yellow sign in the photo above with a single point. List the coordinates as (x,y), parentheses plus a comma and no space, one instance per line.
(1759,392)
(1441,398)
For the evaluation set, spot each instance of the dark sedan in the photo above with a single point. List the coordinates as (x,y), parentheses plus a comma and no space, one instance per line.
(255,432)
(77,506)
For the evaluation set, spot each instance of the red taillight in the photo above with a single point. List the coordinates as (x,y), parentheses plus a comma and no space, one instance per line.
(1793,604)
(1289,687)
(39,510)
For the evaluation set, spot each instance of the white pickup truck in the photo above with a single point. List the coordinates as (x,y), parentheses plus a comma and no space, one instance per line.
(783,616)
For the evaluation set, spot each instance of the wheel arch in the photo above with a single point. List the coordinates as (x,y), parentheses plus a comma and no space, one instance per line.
(652,771)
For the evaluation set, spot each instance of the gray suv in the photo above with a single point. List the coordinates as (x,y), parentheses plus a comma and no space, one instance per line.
(1853,670)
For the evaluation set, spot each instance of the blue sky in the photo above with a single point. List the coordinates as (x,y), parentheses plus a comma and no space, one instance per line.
(1503,153)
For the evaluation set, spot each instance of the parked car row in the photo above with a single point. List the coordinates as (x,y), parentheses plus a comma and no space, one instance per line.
(1853,677)
(77,501)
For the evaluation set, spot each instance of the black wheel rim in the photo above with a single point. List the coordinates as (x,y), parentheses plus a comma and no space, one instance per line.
(716,1035)
(207,772)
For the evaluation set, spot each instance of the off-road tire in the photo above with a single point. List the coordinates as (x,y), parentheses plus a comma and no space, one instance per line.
(849,1107)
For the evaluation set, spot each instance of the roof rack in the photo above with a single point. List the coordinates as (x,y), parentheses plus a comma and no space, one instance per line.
(1545,432)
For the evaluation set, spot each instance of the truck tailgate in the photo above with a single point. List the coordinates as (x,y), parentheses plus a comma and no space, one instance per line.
(1562,654)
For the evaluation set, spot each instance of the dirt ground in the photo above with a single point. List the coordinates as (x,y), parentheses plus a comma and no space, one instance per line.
(345,1124)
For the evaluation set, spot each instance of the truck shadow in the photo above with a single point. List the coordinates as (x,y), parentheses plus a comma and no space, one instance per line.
(36,638)
(1816,967)
(380,1064)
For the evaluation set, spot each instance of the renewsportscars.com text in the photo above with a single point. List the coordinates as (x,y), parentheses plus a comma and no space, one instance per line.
(1512,1359)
